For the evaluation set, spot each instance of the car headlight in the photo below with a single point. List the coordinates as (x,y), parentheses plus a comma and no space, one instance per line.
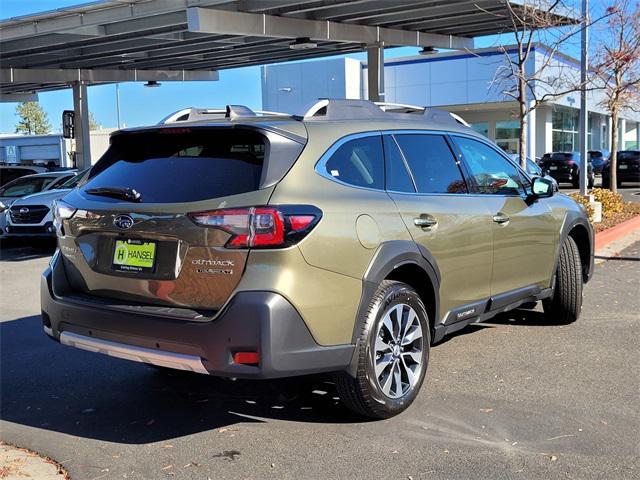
(3,207)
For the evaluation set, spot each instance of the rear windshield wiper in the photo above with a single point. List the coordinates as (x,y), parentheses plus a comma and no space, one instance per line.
(115,192)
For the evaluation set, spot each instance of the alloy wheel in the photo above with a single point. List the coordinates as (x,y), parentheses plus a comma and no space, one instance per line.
(398,351)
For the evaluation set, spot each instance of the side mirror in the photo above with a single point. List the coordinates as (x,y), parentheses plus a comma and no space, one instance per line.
(542,187)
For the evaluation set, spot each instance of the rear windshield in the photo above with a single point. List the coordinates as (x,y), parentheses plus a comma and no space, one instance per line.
(561,156)
(632,155)
(182,165)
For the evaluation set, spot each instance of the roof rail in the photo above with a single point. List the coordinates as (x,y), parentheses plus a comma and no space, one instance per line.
(324,109)
(344,109)
(232,112)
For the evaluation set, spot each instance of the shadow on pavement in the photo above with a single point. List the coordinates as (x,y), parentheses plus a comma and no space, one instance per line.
(49,386)
(625,259)
(20,249)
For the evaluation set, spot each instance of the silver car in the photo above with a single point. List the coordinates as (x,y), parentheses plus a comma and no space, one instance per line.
(28,185)
(33,215)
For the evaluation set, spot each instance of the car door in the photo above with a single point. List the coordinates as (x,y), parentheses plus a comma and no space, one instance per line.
(524,230)
(425,181)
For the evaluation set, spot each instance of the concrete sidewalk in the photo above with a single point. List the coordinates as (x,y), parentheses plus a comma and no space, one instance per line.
(18,464)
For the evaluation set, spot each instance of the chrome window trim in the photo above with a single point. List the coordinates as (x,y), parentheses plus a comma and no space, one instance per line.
(320,166)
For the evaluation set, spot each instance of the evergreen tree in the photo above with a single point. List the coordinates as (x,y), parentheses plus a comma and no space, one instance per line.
(33,119)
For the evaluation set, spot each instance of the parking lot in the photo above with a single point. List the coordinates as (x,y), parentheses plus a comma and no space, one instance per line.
(514,398)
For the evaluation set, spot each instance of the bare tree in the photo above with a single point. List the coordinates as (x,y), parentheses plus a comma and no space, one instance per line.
(617,70)
(540,25)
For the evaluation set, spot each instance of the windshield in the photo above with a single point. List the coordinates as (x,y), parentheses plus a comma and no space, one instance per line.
(25,186)
(76,179)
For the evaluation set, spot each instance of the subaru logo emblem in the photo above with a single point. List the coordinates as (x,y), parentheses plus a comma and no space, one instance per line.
(123,222)
(24,210)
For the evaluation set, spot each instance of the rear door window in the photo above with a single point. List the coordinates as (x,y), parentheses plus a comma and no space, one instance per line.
(182,165)
(398,178)
(358,162)
(432,164)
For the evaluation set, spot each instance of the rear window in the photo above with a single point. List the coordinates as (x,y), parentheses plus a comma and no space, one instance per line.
(182,165)
(561,156)
(629,155)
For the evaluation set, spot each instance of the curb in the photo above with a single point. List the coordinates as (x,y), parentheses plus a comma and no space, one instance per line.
(17,463)
(612,234)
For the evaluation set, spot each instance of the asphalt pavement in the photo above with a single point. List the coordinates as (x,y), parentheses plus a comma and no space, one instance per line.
(515,398)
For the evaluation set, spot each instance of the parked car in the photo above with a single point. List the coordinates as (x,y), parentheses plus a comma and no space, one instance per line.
(534,169)
(345,241)
(9,173)
(627,171)
(27,185)
(32,215)
(598,158)
(564,167)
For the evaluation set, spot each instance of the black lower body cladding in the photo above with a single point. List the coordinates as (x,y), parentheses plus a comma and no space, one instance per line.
(262,322)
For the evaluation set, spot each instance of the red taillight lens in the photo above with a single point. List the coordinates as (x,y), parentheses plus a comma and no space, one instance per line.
(300,222)
(259,227)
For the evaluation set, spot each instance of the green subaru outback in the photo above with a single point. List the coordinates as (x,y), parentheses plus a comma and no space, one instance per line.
(345,240)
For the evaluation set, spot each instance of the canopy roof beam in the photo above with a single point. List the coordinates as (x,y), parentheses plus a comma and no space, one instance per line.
(204,20)
(36,75)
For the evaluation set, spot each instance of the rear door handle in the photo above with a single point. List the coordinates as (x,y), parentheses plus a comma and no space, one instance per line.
(501,218)
(425,221)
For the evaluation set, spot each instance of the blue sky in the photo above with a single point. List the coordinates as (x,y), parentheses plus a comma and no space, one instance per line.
(143,106)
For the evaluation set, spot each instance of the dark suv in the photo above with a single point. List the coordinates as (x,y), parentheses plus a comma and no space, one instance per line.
(628,169)
(346,240)
(565,168)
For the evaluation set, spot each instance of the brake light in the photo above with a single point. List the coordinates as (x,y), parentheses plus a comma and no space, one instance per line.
(261,227)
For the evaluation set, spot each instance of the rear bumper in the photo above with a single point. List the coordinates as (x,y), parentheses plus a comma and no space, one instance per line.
(264,322)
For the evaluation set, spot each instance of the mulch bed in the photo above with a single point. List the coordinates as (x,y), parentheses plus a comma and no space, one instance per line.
(631,209)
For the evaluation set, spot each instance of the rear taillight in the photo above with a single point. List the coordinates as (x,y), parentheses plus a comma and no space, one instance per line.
(261,227)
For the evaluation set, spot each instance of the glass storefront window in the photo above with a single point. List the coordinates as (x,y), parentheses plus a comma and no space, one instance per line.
(507,135)
(481,127)
(565,131)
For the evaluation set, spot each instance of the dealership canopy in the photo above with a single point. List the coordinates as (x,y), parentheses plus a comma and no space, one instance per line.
(191,40)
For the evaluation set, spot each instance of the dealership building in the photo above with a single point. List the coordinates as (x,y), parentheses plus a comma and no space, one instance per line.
(467,83)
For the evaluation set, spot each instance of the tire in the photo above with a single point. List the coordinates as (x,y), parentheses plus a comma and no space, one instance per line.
(566,303)
(591,182)
(369,393)
(605,183)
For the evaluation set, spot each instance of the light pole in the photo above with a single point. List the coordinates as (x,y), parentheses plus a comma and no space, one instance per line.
(584,114)
(118,104)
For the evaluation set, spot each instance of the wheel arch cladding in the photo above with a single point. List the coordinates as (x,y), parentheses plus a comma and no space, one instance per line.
(403,261)
(581,234)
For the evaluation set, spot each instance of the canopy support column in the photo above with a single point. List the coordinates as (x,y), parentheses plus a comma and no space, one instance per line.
(375,72)
(81,125)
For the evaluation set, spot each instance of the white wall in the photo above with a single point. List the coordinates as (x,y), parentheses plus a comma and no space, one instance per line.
(290,87)
(451,79)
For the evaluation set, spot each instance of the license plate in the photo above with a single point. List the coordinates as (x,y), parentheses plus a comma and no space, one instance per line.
(623,167)
(553,167)
(133,255)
